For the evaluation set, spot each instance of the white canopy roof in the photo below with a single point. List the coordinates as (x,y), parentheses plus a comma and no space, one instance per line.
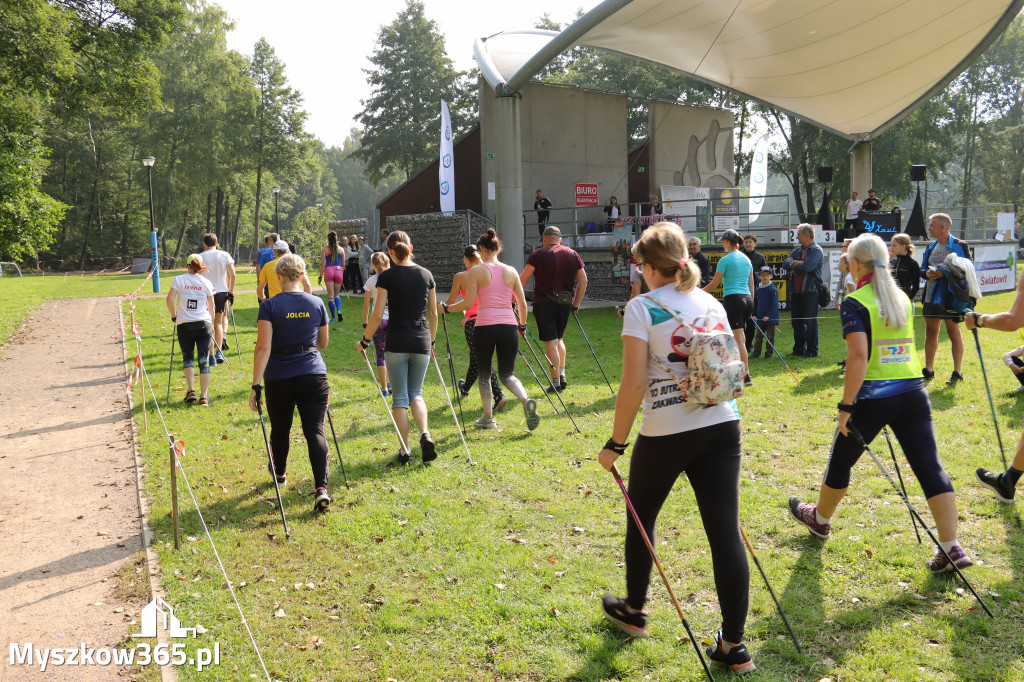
(855,67)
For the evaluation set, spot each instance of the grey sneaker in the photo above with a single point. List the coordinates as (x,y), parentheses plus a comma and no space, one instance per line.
(939,563)
(807,514)
(997,484)
(485,422)
(532,418)
(500,404)
(1017,391)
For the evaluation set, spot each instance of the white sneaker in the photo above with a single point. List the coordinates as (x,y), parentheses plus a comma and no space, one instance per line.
(485,422)
(1017,391)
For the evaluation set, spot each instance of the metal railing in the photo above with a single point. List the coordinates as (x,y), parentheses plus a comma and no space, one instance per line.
(973,222)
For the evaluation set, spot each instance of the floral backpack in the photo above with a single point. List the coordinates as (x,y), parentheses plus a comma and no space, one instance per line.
(716,370)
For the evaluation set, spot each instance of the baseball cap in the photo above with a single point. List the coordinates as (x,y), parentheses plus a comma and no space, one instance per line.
(764,269)
(552,231)
(281,245)
(731,235)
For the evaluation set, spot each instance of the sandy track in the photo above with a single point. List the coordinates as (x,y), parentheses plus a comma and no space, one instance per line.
(68,506)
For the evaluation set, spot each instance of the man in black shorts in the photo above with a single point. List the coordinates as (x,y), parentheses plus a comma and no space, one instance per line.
(222,276)
(936,302)
(559,270)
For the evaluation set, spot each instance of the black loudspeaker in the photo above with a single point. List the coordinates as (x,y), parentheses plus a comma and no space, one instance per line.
(824,173)
(918,173)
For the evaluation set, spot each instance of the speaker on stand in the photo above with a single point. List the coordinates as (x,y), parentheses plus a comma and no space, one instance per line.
(919,174)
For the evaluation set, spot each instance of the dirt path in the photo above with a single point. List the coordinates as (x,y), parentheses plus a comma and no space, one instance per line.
(68,506)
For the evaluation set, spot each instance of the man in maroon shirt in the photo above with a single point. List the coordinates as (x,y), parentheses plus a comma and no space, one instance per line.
(558,270)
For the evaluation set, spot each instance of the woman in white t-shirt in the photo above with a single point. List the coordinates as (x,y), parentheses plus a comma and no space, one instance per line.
(677,437)
(190,301)
(380,262)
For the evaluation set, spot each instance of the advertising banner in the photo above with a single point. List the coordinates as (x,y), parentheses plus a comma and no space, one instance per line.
(586,194)
(996,267)
(774,259)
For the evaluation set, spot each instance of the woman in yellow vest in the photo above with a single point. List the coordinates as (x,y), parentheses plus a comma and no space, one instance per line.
(883,387)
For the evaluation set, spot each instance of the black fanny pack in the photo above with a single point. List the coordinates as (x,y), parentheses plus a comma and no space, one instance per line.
(291,350)
(561,298)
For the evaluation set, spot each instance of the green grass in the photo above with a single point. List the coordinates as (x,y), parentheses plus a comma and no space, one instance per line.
(495,572)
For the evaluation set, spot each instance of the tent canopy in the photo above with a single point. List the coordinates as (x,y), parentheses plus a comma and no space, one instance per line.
(855,67)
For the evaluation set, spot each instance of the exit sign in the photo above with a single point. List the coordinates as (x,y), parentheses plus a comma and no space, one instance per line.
(490,156)
(641,169)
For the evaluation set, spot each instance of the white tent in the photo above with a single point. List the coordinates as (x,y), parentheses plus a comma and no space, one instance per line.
(855,67)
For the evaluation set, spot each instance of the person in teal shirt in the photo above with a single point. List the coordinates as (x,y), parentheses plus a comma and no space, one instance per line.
(736,275)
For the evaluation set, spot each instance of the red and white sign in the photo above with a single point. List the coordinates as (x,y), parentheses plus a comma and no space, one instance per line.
(586,194)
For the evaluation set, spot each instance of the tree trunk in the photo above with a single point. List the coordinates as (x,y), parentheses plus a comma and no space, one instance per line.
(209,208)
(238,218)
(220,213)
(181,238)
(256,218)
(94,201)
(128,205)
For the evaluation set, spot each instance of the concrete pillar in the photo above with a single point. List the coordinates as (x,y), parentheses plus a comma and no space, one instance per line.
(508,185)
(860,169)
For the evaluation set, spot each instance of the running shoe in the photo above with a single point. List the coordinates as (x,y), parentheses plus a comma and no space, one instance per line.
(939,563)
(281,480)
(190,397)
(224,346)
(955,378)
(807,514)
(485,422)
(554,387)
(1003,490)
(402,458)
(322,503)
(204,402)
(928,374)
(532,418)
(212,361)
(219,356)
(562,383)
(1017,391)
(747,381)
(500,404)
(427,446)
(385,394)
(462,388)
(631,622)
(340,318)
(738,658)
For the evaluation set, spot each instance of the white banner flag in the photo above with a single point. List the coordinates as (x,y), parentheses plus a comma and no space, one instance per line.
(758,178)
(446,168)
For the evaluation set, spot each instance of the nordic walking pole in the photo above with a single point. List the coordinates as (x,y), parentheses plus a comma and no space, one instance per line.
(906,501)
(753,554)
(537,379)
(401,441)
(238,348)
(174,336)
(661,571)
(551,383)
(451,370)
(270,457)
(754,320)
(995,420)
(335,436)
(449,397)
(900,477)
(576,317)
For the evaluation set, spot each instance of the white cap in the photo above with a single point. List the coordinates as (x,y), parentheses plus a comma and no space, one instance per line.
(281,245)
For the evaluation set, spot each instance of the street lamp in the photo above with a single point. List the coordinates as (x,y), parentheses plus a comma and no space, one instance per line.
(154,256)
(277,226)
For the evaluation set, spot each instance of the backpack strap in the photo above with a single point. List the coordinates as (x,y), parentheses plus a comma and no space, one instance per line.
(675,313)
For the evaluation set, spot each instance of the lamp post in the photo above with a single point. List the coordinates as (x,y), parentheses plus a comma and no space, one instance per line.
(154,255)
(277,226)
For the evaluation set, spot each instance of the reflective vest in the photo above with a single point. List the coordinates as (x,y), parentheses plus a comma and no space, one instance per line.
(892,354)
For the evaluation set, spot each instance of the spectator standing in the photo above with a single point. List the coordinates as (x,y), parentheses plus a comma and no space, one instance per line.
(805,263)
(872,203)
(904,268)
(757,262)
(542,205)
(936,308)
(853,206)
(766,312)
(698,257)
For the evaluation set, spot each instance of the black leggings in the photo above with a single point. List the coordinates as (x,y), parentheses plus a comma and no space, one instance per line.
(710,457)
(909,415)
(353,276)
(471,372)
(194,339)
(310,394)
(505,339)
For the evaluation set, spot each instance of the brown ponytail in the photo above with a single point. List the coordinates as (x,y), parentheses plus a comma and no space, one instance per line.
(398,242)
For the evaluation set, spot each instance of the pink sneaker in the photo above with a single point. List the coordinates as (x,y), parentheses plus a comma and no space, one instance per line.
(807,514)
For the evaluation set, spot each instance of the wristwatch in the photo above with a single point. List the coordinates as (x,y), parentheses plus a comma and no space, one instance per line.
(844,407)
(977,320)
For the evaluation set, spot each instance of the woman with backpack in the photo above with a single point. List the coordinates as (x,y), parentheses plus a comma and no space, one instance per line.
(677,436)
(883,386)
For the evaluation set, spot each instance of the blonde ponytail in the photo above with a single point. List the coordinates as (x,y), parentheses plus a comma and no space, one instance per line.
(870,251)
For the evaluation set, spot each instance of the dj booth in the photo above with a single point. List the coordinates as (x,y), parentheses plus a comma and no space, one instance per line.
(878,222)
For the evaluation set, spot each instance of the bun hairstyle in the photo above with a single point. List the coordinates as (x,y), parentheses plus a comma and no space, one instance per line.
(291,267)
(904,240)
(332,243)
(471,253)
(380,260)
(398,242)
(663,247)
(870,251)
(195,265)
(489,240)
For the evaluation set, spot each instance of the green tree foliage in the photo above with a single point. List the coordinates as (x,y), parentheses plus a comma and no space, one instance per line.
(358,196)
(411,75)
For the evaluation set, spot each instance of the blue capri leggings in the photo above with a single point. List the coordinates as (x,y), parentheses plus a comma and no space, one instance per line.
(406,371)
(909,415)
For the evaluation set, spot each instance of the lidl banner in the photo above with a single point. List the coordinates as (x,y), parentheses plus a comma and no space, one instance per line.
(996,267)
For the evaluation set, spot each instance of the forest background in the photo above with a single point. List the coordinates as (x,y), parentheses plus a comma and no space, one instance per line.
(89,87)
